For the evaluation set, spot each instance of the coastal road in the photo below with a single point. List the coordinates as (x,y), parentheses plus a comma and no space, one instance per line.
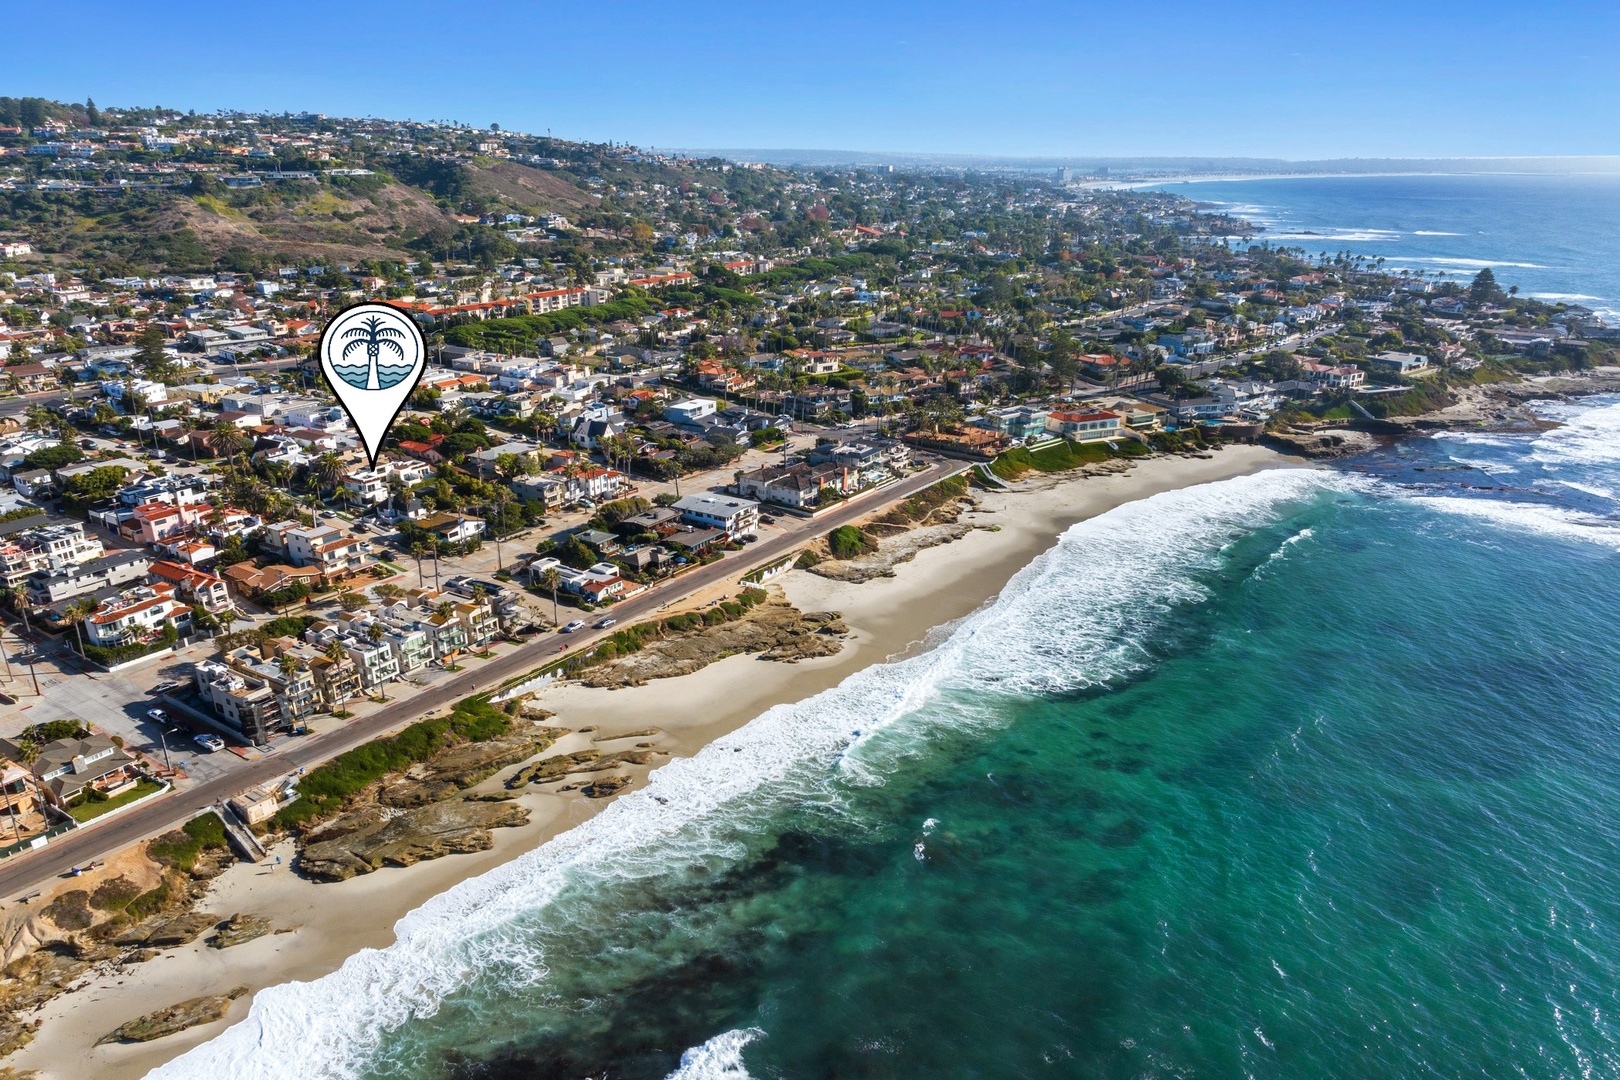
(23,875)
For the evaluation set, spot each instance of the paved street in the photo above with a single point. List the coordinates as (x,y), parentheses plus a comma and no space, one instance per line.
(24,874)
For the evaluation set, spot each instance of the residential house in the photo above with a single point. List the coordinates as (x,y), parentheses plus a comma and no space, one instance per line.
(194,586)
(1090,426)
(1018,421)
(247,705)
(67,770)
(733,516)
(137,616)
(33,543)
(1400,363)
(46,586)
(453,528)
(798,485)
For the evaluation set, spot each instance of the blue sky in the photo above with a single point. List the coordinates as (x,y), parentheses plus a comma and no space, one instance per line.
(1416,78)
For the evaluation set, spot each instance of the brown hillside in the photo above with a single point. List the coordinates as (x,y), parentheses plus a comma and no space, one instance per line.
(319,222)
(527,187)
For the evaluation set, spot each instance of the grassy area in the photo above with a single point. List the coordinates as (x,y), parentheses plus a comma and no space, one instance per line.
(846,542)
(634,638)
(1060,457)
(927,500)
(93,808)
(327,787)
(180,849)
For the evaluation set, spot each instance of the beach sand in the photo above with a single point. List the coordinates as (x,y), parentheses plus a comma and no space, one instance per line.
(888,617)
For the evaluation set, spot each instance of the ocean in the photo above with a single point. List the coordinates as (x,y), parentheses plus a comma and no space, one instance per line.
(1311,773)
(1553,236)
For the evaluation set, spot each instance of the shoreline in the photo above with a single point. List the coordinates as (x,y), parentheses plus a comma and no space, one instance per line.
(889,617)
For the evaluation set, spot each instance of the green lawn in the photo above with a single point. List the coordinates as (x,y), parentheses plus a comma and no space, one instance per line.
(90,809)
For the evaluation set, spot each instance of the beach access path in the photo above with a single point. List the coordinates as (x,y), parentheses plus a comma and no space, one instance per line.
(25,874)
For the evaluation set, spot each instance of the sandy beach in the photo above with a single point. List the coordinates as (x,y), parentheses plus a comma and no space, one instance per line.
(327,922)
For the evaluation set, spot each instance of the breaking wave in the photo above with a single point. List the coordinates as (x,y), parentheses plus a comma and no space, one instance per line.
(1077,616)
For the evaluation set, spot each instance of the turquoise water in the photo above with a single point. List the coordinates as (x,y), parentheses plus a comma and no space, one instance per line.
(1553,236)
(388,374)
(1305,774)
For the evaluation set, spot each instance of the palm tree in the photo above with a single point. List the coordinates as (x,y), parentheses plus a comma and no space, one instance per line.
(419,550)
(76,613)
(327,471)
(14,595)
(227,441)
(40,418)
(551,579)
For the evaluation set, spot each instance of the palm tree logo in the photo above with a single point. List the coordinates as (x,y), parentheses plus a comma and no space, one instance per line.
(374,336)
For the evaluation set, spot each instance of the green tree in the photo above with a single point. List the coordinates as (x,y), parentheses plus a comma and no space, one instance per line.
(552,579)
(1485,290)
(150,354)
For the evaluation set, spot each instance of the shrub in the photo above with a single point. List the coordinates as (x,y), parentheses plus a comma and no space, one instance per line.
(292,626)
(154,900)
(846,542)
(71,910)
(327,787)
(180,848)
(114,894)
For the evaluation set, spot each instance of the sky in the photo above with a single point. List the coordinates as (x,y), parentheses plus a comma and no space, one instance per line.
(1419,78)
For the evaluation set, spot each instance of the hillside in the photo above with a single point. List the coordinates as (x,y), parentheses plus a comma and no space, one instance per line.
(525,187)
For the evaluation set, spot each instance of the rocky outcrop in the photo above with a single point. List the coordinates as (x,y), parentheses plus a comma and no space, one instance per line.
(640,733)
(901,547)
(362,840)
(177,1017)
(1322,443)
(169,931)
(460,767)
(558,766)
(774,630)
(238,929)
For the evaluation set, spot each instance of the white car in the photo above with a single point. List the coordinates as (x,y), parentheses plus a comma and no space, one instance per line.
(576,625)
(208,742)
(605,623)
(157,715)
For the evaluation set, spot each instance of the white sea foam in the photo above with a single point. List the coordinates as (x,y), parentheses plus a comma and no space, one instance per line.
(1477,264)
(718,1059)
(1349,236)
(1532,517)
(1588,436)
(1074,617)
(1433,232)
(1590,489)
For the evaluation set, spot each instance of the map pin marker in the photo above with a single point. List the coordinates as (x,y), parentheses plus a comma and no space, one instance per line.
(372,356)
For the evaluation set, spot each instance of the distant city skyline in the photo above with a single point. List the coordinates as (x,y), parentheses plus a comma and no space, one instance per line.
(1178,78)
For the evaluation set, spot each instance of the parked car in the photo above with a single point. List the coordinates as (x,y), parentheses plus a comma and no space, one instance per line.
(574,627)
(157,715)
(328,513)
(605,623)
(210,743)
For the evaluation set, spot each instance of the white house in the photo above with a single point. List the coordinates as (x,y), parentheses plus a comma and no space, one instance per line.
(736,517)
